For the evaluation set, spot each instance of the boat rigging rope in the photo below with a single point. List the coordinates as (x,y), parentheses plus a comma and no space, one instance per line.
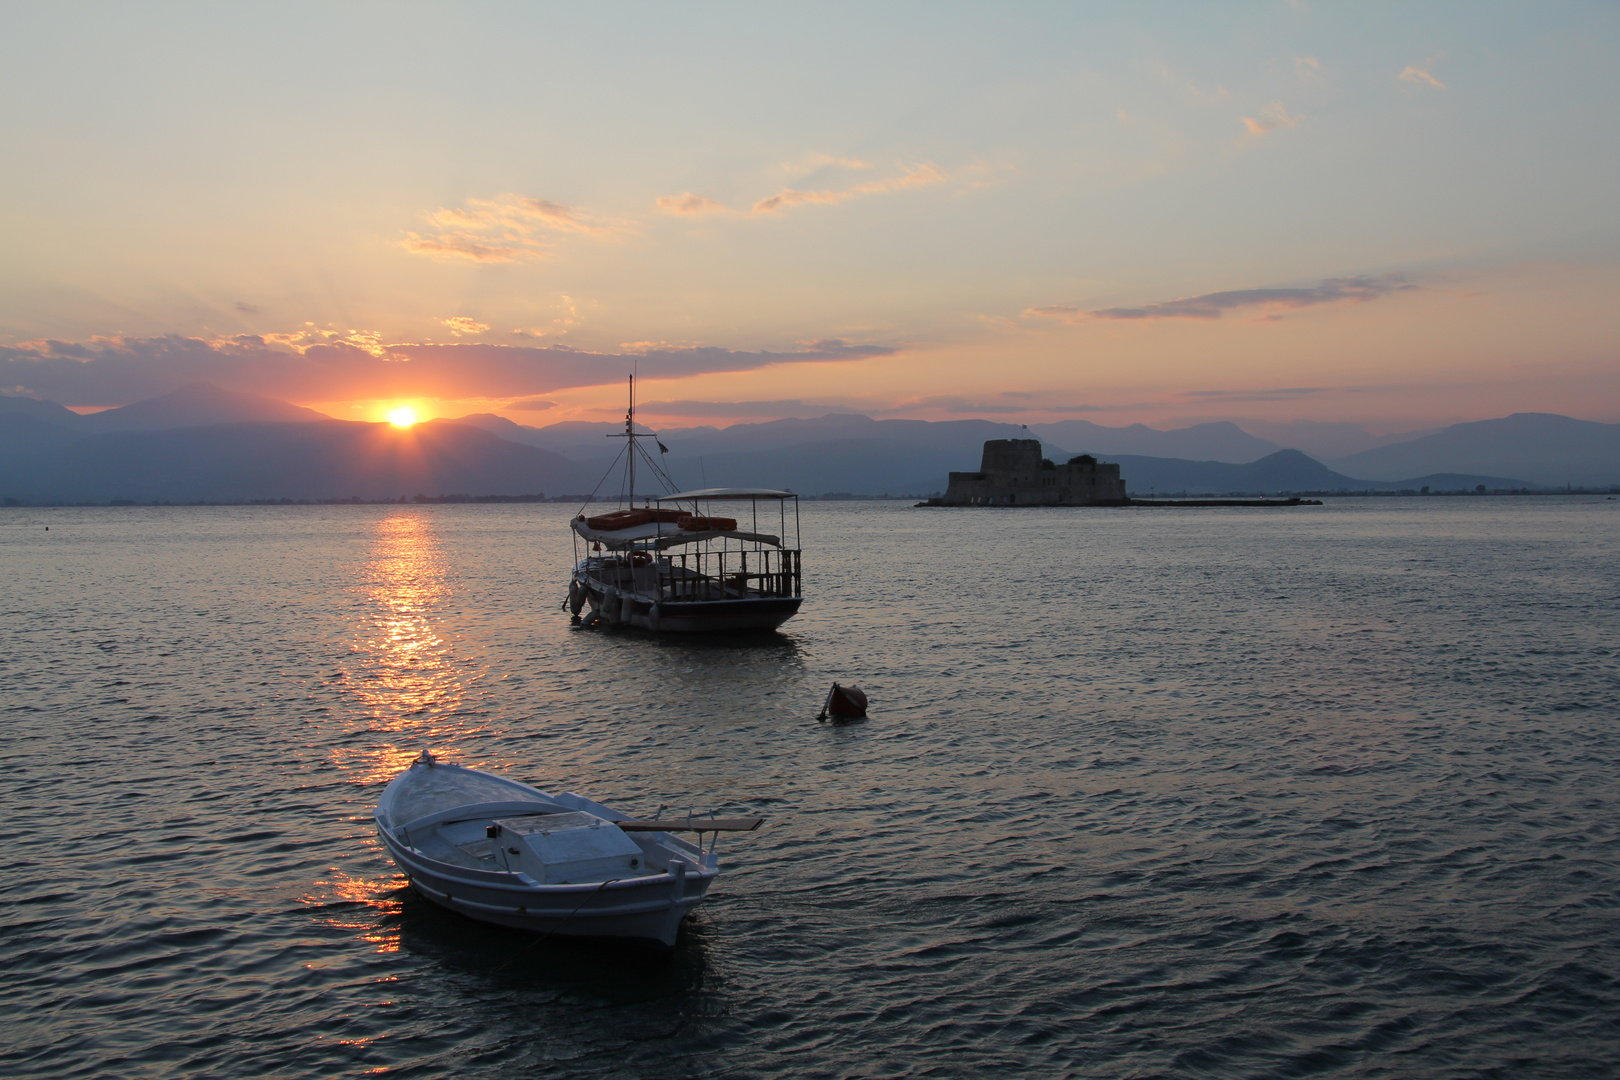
(592,496)
(628,498)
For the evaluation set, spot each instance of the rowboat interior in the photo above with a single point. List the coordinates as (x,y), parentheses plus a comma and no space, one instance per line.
(477,822)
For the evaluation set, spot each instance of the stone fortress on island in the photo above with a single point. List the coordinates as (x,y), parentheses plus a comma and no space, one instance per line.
(1013,473)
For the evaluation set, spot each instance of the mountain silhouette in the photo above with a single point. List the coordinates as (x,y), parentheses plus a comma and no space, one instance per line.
(1286,471)
(48,411)
(1218,441)
(321,459)
(197,405)
(205,443)
(1541,447)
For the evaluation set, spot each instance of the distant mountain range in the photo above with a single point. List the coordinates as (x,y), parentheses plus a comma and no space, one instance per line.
(1221,441)
(202,443)
(206,444)
(1540,447)
(1285,472)
(194,405)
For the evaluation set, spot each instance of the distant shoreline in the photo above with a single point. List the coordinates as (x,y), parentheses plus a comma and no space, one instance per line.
(1304,498)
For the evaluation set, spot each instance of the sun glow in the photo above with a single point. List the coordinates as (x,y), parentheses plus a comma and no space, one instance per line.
(402,417)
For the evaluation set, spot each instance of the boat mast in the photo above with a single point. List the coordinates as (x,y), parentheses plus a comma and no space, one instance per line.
(630,434)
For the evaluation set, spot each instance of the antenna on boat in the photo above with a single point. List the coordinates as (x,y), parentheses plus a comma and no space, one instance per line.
(630,433)
(631,449)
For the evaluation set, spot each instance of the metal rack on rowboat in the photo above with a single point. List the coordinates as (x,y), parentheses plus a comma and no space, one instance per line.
(674,564)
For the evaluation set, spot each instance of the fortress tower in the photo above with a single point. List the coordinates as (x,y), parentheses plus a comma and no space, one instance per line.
(1013,473)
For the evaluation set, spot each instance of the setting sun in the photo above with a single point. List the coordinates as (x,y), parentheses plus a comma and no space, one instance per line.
(402,417)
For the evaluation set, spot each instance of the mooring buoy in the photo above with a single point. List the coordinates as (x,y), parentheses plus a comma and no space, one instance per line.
(847,702)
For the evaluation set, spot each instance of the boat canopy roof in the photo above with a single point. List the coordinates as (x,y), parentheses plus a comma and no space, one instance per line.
(728,493)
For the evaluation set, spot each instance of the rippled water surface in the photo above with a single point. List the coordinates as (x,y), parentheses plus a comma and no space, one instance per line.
(1208,793)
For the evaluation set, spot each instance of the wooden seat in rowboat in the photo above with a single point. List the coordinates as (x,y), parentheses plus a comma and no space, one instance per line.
(693,824)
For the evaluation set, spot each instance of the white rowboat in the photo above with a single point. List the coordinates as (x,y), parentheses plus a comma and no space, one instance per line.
(507,853)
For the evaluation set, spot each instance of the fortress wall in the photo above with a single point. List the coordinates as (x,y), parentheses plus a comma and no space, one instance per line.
(1012,475)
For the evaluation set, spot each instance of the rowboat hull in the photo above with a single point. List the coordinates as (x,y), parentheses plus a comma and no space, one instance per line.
(646,911)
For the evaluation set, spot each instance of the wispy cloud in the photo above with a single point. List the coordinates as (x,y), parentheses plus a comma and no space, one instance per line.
(314,364)
(1271,118)
(510,228)
(461,324)
(1293,393)
(690,205)
(812,162)
(1216,304)
(752,409)
(917,175)
(533,404)
(567,318)
(1022,404)
(1419,77)
(310,336)
(970,177)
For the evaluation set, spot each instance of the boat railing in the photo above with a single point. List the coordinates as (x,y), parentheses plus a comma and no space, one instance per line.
(730,574)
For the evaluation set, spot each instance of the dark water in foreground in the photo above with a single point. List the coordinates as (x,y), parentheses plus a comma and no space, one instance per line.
(1323,792)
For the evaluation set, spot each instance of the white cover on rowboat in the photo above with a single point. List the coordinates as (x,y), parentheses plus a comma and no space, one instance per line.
(728,493)
(508,853)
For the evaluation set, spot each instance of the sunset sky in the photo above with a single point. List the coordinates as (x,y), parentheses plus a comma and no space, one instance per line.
(1398,215)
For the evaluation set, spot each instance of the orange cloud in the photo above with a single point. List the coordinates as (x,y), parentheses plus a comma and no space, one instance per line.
(1271,118)
(1419,77)
(507,229)
(687,203)
(461,324)
(465,246)
(911,176)
(300,341)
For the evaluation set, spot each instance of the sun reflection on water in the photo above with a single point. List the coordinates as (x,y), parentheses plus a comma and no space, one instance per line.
(406,681)
(368,908)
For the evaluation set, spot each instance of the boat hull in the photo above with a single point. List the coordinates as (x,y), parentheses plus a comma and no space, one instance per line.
(646,910)
(699,616)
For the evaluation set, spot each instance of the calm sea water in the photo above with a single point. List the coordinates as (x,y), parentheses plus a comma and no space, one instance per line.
(1319,792)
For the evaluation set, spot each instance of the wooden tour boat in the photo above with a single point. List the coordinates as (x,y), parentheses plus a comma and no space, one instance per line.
(676,564)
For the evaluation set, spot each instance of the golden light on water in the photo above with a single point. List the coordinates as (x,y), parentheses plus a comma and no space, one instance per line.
(402,417)
(402,680)
(369,908)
